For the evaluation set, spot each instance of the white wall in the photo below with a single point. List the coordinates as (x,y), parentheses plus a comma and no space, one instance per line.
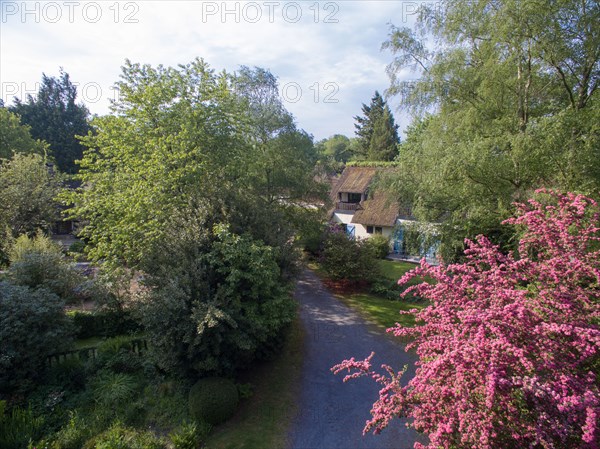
(360,231)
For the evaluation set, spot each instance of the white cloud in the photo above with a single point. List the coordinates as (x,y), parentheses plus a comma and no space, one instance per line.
(326,61)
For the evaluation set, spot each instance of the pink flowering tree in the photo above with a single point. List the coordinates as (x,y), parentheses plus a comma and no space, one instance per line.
(508,348)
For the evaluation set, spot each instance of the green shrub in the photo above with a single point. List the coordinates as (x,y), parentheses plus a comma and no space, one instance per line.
(32,327)
(69,374)
(39,262)
(119,436)
(18,427)
(218,306)
(112,390)
(117,354)
(380,245)
(345,258)
(77,247)
(190,435)
(102,323)
(387,288)
(73,435)
(213,400)
(163,404)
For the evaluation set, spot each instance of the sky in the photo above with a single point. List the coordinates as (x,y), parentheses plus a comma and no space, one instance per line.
(326,54)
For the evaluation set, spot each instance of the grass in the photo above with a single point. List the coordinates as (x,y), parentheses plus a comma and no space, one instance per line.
(88,342)
(382,312)
(262,420)
(395,270)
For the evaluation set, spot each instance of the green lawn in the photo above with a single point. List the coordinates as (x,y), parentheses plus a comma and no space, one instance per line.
(395,270)
(263,419)
(382,312)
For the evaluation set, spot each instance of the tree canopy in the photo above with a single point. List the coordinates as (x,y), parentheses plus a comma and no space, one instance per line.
(55,117)
(507,102)
(16,138)
(199,179)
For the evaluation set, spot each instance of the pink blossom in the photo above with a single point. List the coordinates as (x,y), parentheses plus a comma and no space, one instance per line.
(508,348)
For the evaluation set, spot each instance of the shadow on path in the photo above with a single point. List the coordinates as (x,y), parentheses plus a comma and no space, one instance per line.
(332,414)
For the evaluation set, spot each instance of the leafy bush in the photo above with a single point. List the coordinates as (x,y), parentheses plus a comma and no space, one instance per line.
(18,427)
(77,247)
(32,327)
(119,436)
(70,374)
(112,390)
(345,258)
(103,323)
(73,435)
(117,354)
(380,245)
(218,307)
(163,404)
(190,435)
(213,400)
(312,237)
(387,289)
(39,262)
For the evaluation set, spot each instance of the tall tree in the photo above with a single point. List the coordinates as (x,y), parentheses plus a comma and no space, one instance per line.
(54,116)
(190,180)
(513,98)
(377,121)
(383,145)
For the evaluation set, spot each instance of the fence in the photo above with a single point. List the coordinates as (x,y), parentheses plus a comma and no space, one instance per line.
(138,346)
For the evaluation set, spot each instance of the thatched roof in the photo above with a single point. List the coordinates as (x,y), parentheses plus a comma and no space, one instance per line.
(354,180)
(378,210)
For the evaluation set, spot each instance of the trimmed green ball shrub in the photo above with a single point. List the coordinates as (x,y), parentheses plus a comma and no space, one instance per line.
(213,400)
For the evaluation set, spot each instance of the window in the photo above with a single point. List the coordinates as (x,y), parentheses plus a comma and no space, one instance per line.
(378,230)
(370,229)
(354,197)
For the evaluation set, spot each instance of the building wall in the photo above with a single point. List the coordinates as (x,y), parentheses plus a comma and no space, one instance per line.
(360,231)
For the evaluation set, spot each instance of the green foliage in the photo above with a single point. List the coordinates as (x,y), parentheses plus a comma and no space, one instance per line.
(213,400)
(512,101)
(16,138)
(336,148)
(32,326)
(380,245)
(190,435)
(38,262)
(73,435)
(118,355)
(102,323)
(77,247)
(345,258)
(372,164)
(27,192)
(119,436)
(165,403)
(113,390)
(18,427)
(377,133)
(55,117)
(222,301)
(185,142)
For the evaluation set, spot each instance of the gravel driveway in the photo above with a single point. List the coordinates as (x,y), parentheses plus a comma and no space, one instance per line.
(332,414)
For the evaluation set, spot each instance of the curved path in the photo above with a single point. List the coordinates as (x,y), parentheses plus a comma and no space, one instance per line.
(331,413)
